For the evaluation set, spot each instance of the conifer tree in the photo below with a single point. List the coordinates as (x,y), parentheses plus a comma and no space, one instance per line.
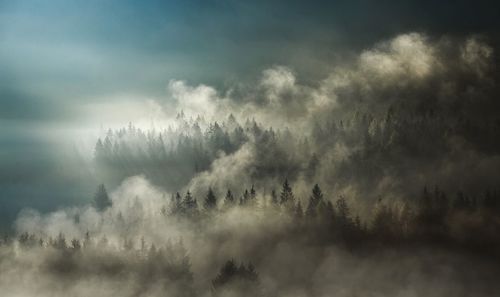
(286,196)
(210,202)
(229,199)
(189,204)
(314,200)
(101,199)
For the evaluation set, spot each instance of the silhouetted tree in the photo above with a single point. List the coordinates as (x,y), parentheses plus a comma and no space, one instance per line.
(286,196)
(210,202)
(314,200)
(87,241)
(189,205)
(229,199)
(101,199)
(343,212)
(237,281)
(75,244)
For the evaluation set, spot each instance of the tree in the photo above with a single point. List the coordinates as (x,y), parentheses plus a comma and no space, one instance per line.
(315,199)
(229,199)
(253,195)
(87,241)
(190,205)
(226,273)
(101,199)
(245,198)
(60,242)
(210,201)
(237,281)
(384,222)
(99,150)
(177,204)
(286,196)
(75,244)
(343,212)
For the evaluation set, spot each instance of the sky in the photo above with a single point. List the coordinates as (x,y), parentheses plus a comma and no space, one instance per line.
(69,67)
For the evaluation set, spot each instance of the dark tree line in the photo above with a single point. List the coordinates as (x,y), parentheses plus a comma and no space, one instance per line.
(432,218)
(401,136)
(234,280)
(168,265)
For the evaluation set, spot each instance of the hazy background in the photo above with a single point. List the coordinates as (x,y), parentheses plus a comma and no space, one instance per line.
(68,68)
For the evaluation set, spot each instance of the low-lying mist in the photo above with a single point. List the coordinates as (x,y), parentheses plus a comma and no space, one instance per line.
(380,180)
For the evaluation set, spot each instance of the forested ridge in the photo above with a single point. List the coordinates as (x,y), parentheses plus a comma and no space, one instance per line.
(460,224)
(381,179)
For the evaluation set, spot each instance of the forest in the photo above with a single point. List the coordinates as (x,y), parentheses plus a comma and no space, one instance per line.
(382,179)
(460,224)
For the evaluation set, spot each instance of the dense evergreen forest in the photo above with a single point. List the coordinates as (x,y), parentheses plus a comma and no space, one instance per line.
(460,224)
(380,180)
(356,148)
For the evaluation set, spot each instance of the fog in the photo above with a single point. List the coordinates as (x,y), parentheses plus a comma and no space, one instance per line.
(402,139)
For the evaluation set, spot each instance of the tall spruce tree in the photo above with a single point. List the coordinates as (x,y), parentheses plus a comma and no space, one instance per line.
(210,202)
(286,196)
(101,199)
(314,200)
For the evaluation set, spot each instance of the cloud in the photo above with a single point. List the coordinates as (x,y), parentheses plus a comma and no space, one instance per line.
(226,172)
(407,55)
(278,83)
(477,55)
(193,101)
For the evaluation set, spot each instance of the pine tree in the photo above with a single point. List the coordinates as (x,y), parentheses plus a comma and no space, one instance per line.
(343,211)
(235,280)
(246,197)
(210,201)
(75,244)
(87,241)
(189,204)
(286,196)
(229,199)
(60,242)
(315,199)
(177,204)
(253,196)
(101,199)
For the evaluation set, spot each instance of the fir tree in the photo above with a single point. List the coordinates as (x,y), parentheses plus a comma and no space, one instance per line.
(210,202)
(286,196)
(229,199)
(101,199)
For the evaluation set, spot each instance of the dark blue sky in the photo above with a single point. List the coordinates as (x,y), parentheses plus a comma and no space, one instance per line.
(57,58)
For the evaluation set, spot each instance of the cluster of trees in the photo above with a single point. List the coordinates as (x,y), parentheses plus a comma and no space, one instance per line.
(433,217)
(170,156)
(168,265)
(399,140)
(234,280)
